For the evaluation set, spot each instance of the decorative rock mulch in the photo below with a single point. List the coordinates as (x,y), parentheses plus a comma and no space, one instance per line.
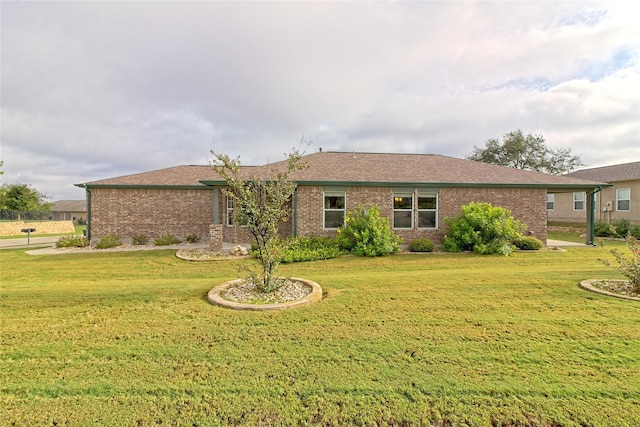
(240,294)
(247,292)
(200,254)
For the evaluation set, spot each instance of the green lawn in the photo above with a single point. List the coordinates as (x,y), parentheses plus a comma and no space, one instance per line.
(128,338)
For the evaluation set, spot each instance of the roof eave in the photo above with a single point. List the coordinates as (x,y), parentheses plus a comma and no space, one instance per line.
(147,186)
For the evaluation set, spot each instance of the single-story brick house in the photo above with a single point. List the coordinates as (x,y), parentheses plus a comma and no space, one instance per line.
(415,191)
(619,201)
(74,210)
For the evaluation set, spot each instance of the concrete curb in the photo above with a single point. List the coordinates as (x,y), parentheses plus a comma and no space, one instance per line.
(315,296)
(588,285)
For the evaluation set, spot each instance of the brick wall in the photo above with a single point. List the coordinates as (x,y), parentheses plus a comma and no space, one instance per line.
(151,212)
(154,212)
(527,205)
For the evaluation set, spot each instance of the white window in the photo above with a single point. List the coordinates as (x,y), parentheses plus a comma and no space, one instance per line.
(550,201)
(334,209)
(578,201)
(229,211)
(403,210)
(427,210)
(623,199)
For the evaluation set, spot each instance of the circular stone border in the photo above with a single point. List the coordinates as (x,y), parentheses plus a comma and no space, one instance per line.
(588,285)
(313,297)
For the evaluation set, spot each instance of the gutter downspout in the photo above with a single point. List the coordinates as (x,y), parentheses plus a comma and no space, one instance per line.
(88,196)
(295,211)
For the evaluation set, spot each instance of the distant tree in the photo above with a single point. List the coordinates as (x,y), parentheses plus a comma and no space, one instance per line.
(22,198)
(528,152)
(261,207)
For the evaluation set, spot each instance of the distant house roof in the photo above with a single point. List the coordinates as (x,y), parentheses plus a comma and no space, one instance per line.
(614,173)
(365,169)
(69,206)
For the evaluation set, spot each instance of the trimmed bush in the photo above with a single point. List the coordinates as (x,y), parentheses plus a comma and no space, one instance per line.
(483,229)
(139,239)
(421,245)
(192,238)
(301,249)
(109,241)
(72,242)
(528,243)
(166,240)
(366,233)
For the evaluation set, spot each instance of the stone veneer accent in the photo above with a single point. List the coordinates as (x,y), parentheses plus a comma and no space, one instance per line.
(215,232)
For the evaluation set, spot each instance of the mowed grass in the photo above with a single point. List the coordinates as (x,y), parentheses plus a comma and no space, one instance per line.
(128,338)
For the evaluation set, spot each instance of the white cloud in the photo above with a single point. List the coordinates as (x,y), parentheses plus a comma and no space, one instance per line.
(98,89)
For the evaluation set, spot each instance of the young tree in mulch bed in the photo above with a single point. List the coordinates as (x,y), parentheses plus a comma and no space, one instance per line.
(261,203)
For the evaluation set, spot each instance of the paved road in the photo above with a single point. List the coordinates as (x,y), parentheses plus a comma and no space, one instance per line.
(33,241)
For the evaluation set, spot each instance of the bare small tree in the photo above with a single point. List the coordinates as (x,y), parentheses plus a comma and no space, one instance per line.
(261,205)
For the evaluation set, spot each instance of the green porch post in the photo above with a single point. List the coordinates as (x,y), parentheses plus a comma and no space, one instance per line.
(591,217)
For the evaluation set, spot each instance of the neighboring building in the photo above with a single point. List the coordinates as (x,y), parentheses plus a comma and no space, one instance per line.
(613,203)
(73,210)
(415,191)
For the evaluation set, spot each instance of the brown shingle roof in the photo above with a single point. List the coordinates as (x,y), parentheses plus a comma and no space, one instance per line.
(174,176)
(391,168)
(614,173)
(366,168)
(69,206)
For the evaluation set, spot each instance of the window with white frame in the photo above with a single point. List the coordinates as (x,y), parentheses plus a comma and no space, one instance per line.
(334,209)
(229,211)
(578,201)
(427,210)
(623,199)
(403,210)
(551,199)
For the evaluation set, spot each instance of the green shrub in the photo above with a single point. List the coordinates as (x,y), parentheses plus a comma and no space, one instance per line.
(622,227)
(72,242)
(192,238)
(603,229)
(528,243)
(484,229)
(421,245)
(634,231)
(300,249)
(108,241)
(139,239)
(166,240)
(366,233)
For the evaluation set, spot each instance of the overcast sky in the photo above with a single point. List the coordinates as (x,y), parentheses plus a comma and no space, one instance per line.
(94,90)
